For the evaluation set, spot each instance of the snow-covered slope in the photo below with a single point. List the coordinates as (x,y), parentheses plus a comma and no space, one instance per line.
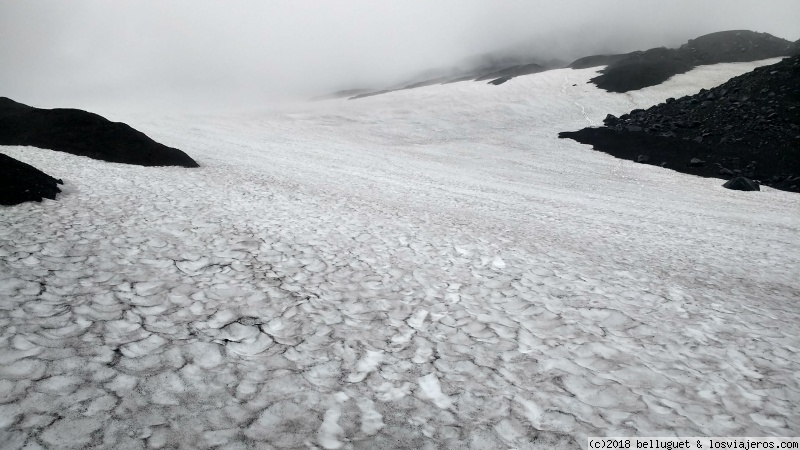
(430,268)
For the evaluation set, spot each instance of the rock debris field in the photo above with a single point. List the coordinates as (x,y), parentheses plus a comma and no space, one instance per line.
(430,268)
(748,126)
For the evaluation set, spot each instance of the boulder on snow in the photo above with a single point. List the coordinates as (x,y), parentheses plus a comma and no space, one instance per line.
(695,162)
(741,184)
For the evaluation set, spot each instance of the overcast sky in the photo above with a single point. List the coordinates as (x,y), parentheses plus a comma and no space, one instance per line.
(202,54)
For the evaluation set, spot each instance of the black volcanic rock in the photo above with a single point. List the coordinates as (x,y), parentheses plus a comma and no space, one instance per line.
(649,68)
(696,162)
(596,60)
(737,46)
(20,182)
(85,134)
(748,126)
(641,69)
(499,81)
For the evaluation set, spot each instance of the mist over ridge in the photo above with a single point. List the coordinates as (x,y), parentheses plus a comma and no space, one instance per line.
(204,55)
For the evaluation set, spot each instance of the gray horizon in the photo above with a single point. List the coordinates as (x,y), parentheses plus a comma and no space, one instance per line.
(204,55)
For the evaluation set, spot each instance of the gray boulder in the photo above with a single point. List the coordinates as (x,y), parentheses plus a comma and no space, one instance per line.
(742,184)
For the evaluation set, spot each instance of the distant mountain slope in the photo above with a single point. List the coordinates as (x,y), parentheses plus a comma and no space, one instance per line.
(481,68)
(85,134)
(747,126)
(596,60)
(625,72)
(20,182)
(513,71)
(651,67)
(340,94)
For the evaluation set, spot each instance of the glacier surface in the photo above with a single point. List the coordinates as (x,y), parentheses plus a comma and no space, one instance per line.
(429,268)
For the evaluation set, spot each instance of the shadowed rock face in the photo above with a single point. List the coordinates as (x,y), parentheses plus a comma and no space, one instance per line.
(748,126)
(638,70)
(84,134)
(20,182)
(642,69)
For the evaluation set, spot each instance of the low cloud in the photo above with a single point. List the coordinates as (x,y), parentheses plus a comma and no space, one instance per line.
(202,54)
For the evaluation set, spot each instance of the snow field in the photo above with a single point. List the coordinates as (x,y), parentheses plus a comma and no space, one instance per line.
(429,268)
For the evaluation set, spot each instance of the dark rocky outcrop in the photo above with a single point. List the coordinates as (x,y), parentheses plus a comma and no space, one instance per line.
(648,68)
(641,69)
(596,60)
(499,81)
(85,134)
(20,182)
(748,126)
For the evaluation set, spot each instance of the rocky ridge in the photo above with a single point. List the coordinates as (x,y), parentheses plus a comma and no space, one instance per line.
(84,134)
(748,126)
(625,71)
(596,60)
(641,69)
(496,74)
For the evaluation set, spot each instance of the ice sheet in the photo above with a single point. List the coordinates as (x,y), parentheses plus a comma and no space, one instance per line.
(426,268)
